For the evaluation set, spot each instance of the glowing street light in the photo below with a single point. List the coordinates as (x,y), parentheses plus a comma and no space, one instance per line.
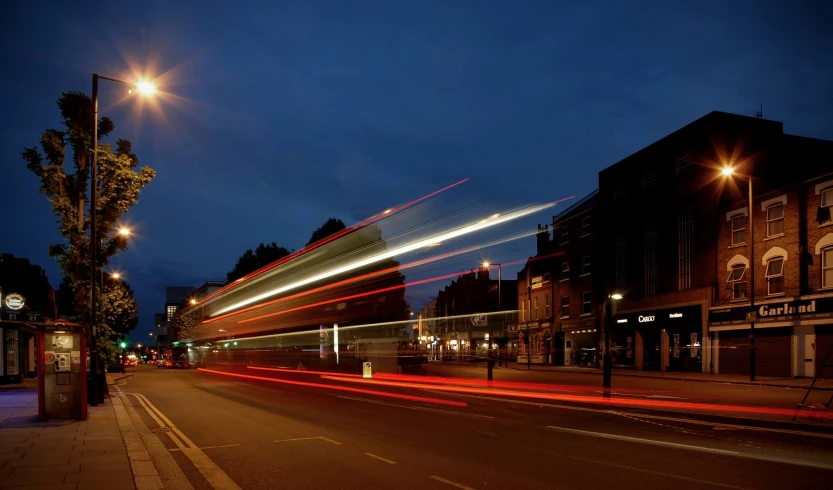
(124,231)
(115,275)
(727,171)
(193,301)
(145,88)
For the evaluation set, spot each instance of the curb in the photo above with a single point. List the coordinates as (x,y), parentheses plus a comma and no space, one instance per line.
(113,378)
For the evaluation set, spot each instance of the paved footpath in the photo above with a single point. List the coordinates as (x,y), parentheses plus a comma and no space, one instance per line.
(111,449)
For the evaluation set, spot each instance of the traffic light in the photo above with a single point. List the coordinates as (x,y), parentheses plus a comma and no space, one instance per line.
(123,345)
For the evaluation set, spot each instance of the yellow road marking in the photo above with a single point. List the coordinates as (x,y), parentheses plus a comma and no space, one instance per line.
(386,460)
(452,483)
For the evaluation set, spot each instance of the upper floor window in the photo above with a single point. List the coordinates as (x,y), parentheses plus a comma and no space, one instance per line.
(619,194)
(546,306)
(565,270)
(649,180)
(585,224)
(739,229)
(775,275)
(565,234)
(775,220)
(737,281)
(683,165)
(565,307)
(586,303)
(827,267)
(826,208)
(586,262)
(170,311)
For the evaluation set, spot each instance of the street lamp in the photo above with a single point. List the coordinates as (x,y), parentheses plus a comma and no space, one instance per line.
(146,88)
(607,367)
(487,265)
(727,172)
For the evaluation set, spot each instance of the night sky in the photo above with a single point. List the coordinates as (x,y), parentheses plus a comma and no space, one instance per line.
(280,115)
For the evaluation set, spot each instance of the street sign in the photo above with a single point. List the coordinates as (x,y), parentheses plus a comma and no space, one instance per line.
(367,373)
(479,320)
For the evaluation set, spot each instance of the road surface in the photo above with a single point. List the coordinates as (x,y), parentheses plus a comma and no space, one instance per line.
(267,435)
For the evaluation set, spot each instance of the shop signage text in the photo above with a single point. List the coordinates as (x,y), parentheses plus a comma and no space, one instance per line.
(787,309)
(14,301)
(807,308)
(649,318)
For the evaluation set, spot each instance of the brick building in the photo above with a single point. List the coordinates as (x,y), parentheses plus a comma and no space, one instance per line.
(671,234)
(558,308)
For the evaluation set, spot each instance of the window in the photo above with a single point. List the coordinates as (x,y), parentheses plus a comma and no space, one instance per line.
(585,265)
(827,267)
(536,307)
(565,235)
(826,206)
(775,275)
(737,281)
(565,270)
(685,246)
(650,258)
(586,303)
(619,194)
(170,311)
(565,307)
(523,310)
(739,229)
(585,225)
(620,265)
(683,165)
(546,306)
(775,220)
(546,277)
(649,180)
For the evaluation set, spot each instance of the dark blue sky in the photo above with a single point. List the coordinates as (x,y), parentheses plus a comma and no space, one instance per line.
(283,114)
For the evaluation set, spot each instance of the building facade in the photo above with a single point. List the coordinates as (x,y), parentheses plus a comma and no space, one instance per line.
(674,242)
(26,299)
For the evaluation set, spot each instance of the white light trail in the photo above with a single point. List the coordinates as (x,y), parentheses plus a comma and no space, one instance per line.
(489,222)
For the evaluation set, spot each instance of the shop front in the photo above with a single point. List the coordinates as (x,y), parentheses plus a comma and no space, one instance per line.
(580,342)
(533,341)
(659,340)
(17,340)
(792,337)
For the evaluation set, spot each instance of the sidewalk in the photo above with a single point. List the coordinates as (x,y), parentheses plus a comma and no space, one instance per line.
(111,449)
(797,383)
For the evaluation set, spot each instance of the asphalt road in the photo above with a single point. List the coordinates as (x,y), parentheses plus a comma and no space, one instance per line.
(272,435)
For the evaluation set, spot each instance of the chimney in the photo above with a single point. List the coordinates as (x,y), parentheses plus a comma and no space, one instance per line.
(543,238)
(483,274)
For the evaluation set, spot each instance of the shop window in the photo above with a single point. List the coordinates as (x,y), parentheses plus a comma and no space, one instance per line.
(586,303)
(585,225)
(565,307)
(586,262)
(565,270)
(827,267)
(775,220)
(737,281)
(739,229)
(775,276)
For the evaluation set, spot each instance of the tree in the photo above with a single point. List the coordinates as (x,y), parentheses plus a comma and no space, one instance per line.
(66,185)
(65,297)
(331,226)
(119,316)
(183,322)
(251,261)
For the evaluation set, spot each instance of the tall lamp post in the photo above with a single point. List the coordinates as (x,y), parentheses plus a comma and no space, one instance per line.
(145,88)
(727,172)
(607,361)
(487,264)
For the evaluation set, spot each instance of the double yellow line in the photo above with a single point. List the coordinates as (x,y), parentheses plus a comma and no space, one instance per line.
(176,435)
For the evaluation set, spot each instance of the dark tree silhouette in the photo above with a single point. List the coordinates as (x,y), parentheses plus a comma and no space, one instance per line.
(252,260)
(332,225)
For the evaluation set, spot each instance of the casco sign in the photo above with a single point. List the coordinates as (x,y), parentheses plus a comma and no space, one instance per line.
(14,301)
(647,318)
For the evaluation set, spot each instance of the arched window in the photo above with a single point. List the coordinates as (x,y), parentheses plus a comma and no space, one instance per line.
(736,281)
(775,275)
(826,208)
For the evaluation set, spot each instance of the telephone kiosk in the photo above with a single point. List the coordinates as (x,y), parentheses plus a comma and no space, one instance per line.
(62,371)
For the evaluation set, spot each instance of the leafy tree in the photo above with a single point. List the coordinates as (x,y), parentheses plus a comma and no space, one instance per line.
(65,297)
(183,322)
(332,225)
(252,260)
(62,163)
(119,316)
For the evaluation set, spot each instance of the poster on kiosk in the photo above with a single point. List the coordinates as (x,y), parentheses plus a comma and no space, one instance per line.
(61,372)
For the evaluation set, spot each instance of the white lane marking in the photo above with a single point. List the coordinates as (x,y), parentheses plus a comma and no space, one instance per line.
(212,473)
(386,460)
(311,438)
(212,447)
(424,409)
(452,483)
(604,435)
